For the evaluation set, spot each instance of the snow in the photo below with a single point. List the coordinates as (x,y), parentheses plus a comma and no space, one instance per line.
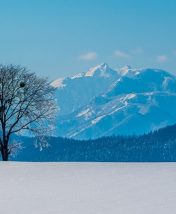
(89,188)
(97,119)
(128,71)
(78,90)
(144,109)
(86,113)
(130,96)
(79,75)
(166,82)
(58,83)
(102,68)
(125,70)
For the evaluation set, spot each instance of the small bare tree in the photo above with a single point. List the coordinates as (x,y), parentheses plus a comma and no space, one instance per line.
(26,105)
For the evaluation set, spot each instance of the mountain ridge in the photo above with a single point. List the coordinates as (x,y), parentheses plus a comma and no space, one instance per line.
(104,101)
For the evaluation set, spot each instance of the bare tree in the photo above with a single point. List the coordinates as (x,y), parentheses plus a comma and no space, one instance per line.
(26,105)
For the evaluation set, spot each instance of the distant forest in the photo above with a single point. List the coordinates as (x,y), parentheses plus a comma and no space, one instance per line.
(153,147)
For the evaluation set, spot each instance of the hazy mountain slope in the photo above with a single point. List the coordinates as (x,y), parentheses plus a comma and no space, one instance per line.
(77,91)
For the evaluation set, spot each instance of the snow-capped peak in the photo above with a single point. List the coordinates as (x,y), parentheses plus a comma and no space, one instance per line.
(100,70)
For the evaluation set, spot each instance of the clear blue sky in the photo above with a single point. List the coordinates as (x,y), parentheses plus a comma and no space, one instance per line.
(57,38)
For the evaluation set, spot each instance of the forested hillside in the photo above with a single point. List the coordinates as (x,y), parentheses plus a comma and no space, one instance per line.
(155,146)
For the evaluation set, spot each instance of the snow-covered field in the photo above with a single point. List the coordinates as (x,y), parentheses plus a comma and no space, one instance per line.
(87,188)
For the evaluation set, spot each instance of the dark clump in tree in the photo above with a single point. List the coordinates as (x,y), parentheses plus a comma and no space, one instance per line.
(26,105)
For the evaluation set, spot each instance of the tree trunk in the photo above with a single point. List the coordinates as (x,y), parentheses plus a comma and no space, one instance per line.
(5,154)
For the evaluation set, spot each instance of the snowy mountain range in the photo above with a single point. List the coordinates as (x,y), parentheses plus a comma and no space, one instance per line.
(106,102)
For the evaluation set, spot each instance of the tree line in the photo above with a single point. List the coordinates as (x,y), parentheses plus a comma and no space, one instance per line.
(156,146)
